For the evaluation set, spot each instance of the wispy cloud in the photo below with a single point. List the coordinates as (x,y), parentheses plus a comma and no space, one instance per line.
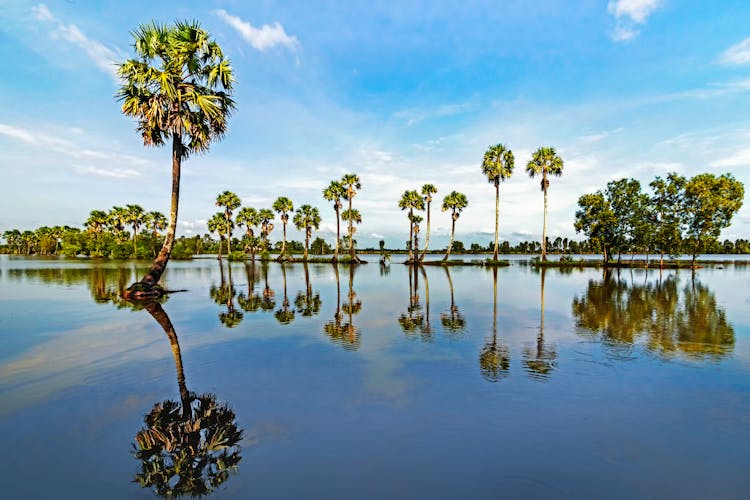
(737,54)
(629,14)
(740,158)
(102,56)
(263,38)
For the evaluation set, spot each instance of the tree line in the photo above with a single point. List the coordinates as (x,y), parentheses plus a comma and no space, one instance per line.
(678,216)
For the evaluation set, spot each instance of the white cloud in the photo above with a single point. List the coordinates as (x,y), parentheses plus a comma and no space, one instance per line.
(263,38)
(103,57)
(740,158)
(628,15)
(376,236)
(115,173)
(738,53)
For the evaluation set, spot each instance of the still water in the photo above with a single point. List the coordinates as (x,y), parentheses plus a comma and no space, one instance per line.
(271,381)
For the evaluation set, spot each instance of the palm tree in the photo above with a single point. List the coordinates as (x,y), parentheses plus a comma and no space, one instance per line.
(544,162)
(265,218)
(427,191)
(334,192)
(351,184)
(283,205)
(96,221)
(248,217)
(455,202)
(155,221)
(178,87)
(352,216)
(497,165)
(116,221)
(307,218)
(229,201)
(411,200)
(134,215)
(416,220)
(218,224)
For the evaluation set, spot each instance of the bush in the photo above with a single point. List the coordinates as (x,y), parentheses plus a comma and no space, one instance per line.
(236,256)
(70,250)
(180,251)
(122,251)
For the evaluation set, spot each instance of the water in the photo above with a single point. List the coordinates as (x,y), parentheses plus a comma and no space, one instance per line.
(368,382)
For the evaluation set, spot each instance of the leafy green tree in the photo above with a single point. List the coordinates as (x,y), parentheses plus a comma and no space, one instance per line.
(497,166)
(351,185)
(178,87)
(411,200)
(544,162)
(597,221)
(319,246)
(334,193)
(630,208)
(307,218)
(427,191)
(710,203)
(283,206)
(229,202)
(455,202)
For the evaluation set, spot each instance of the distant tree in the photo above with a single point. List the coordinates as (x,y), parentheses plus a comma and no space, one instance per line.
(544,162)
(319,246)
(96,221)
(334,193)
(351,216)
(710,203)
(229,202)
(249,218)
(351,184)
(667,207)
(427,191)
(411,200)
(219,224)
(630,207)
(283,206)
(134,215)
(155,221)
(497,166)
(265,218)
(597,221)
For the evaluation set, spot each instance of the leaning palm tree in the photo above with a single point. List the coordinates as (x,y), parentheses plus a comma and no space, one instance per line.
(283,205)
(411,200)
(334,192)
(178,88)
(351,184)
(544,162)
(497,165)
(307,218)
(134,215)
(229,201)
(455,202)
(427,191)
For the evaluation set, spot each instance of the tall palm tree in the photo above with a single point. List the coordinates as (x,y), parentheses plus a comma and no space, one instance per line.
(427,191)
(116,221)
(544,162)
(265,220)
(283,205)
(307,218)
(334,192)
(351,184)
(352,216)
(218,224)
(416,220)
(134,215)
(229,201)
(178,87)
(248,217)
(497,165)
(455,202)
(411,200)
(96,221)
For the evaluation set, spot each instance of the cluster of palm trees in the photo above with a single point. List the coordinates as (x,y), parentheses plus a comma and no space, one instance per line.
(497,166)
(306,219)
(116,220)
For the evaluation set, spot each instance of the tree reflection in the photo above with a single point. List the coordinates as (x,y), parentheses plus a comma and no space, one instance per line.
(340,332)
(187,447)
(668,318)
(453,321)
(539,362)
(494,358)
(413,320)
(285,314)
(307,303)
(251,301)
(224,296)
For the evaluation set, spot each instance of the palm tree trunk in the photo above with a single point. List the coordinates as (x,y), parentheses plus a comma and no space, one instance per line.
(427,238)
(411,235)
(307,243)
(450,243)
(135,238)
(160,263)
(497,217)
(221,240)
(338,233)
(351,232)
(544,224)
(283,243)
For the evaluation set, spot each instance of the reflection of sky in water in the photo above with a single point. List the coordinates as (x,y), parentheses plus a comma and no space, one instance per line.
(408,413)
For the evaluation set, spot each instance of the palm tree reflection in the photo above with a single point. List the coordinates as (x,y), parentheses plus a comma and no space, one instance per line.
(307,303)
(670,320)
(224,296)
(285,314)
(340,332)
(539,362)
(453,321)
(413,320)
(494,358)
(187,447)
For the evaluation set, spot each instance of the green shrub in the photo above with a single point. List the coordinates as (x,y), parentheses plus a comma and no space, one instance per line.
(181,252)
(121,251)
(237,256)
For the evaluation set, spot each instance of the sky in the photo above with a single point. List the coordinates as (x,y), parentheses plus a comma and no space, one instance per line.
(401,93)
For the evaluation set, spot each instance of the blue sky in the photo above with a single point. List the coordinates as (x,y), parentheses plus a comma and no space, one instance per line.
(402,93)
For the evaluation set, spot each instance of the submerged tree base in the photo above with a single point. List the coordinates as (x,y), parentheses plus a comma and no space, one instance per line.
(140,291)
